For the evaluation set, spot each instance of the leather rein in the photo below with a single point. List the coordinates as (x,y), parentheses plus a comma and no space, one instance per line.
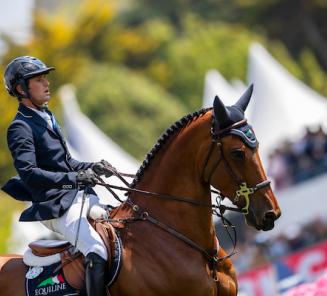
(210,254)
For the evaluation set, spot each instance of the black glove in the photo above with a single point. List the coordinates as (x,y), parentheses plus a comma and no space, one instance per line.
(103,167)
(86,178)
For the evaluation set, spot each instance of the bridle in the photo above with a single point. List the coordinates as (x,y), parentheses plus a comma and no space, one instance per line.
(140,215)
(244,190)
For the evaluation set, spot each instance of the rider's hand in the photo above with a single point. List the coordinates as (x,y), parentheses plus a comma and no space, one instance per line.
(103,167)
(86,178)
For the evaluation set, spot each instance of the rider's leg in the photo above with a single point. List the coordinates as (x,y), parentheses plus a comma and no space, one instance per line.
(89,241)
(97,211)
(95,267)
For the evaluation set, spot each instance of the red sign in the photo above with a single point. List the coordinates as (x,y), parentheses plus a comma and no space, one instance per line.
(309,263)
(258,282)
(306,264)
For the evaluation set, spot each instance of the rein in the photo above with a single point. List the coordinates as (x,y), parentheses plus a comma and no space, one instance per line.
(222,208)
(212,254)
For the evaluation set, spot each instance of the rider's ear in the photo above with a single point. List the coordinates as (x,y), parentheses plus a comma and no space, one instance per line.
(20,89)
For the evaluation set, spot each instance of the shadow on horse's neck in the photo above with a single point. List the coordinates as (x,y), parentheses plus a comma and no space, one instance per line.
(176,169)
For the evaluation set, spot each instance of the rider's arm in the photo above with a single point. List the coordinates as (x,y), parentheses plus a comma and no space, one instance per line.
(22,147)
(78,165)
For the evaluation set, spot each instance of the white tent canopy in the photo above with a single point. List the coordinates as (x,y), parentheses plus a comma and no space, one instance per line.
(91,144)
(216,85)
(229,93)
(282,105)
(281,108)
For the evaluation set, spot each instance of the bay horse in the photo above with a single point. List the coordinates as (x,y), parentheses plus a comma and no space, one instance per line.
(169,242)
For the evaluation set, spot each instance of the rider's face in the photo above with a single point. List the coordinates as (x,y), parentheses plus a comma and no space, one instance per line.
(38,88)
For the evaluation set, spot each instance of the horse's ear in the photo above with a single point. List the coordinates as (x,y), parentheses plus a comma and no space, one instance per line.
(244,100)
(221,113)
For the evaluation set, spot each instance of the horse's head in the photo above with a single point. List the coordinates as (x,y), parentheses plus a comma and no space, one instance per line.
(236,169)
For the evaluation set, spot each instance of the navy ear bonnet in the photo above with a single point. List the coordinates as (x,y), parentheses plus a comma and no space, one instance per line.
(246,133)
(226,119)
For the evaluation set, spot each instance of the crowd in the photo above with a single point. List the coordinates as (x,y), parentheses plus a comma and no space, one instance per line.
(257,249)
(289,164)
(296,161)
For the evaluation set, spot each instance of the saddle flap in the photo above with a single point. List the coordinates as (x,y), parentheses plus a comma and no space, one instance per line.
(108,236)
(48,247)
(73,264)
(73,267)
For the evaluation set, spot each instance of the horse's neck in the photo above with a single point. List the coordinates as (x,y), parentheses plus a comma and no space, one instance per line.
(177,170)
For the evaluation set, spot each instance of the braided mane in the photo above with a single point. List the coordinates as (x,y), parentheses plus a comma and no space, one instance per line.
(178,125)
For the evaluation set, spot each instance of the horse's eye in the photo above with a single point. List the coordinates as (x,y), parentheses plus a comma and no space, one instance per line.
(238,154)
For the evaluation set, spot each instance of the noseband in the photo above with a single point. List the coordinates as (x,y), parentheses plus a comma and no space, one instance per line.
(210,254)
(244,190)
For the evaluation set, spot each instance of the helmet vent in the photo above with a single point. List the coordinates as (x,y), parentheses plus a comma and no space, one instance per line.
(29,67)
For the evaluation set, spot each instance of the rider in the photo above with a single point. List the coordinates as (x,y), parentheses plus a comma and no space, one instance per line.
(48,176)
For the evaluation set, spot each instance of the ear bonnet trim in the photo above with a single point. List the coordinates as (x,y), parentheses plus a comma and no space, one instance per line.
(245,132)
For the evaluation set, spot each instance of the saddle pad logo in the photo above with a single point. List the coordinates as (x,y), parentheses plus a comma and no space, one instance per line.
(56,280)
(49,284)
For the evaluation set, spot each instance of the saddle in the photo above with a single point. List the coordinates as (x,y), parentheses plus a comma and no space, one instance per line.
(72,262)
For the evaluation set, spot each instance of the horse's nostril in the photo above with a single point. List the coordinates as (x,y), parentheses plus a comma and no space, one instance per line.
(270,216)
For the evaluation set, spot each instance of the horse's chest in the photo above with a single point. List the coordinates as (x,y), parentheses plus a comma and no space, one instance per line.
(164,273)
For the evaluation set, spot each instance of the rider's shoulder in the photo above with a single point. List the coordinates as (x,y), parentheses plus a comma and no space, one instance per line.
(19,124)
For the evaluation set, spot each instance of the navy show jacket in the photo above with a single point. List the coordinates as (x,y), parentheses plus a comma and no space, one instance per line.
(47,172)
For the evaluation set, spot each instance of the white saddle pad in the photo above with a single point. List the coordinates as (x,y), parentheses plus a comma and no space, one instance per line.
(32,260)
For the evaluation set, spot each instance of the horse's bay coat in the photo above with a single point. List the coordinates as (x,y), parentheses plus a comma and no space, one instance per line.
(185,161)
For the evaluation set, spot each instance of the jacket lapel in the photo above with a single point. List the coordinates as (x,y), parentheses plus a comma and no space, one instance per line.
(36,118)
(56,127)
(30,114)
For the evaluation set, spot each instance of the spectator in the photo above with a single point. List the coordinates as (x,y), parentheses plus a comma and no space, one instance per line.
(295,162)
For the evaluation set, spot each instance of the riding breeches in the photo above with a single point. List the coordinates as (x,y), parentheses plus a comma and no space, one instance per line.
(70,227)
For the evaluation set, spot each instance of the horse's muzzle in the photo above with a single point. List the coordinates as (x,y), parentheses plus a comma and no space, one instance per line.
(269,219)
(266,223)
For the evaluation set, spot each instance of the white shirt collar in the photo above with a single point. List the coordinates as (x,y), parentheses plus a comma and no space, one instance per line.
(45,115)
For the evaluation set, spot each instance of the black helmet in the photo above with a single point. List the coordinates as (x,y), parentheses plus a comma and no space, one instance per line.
(20,70)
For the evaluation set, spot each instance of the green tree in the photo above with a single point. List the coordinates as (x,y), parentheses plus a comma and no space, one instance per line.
(8,207)
(6,115)
(202,47)
(128,107)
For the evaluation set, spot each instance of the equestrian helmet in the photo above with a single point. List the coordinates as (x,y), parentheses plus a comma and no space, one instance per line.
(20,69)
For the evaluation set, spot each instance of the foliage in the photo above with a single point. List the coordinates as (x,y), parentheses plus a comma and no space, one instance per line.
(6,115)
(139,65)
(131,109)
(172,43)
(8,206)
(203,47)
(299,25)
(312,71)
(63,49)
